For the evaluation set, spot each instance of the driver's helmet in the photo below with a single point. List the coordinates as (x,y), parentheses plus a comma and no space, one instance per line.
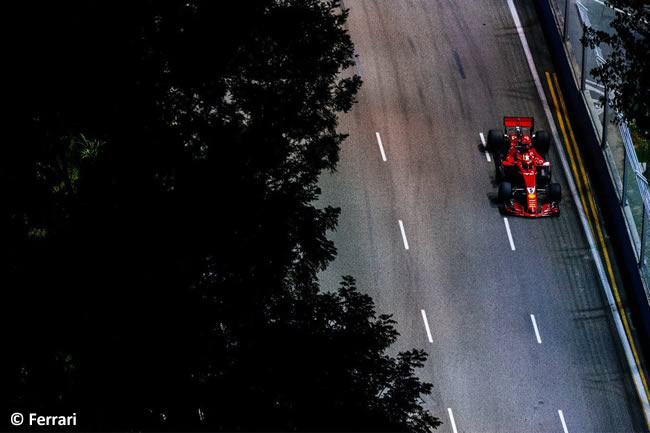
(526,161)
(522,139)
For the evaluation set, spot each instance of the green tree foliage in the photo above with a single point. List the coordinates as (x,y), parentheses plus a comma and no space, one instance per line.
(160,244)
(626,71)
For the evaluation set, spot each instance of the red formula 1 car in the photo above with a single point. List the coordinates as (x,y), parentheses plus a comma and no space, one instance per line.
(523,174)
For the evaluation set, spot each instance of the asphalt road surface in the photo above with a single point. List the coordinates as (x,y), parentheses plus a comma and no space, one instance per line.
(436,74)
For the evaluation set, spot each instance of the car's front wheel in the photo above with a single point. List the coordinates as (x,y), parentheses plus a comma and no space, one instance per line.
(505,191)
(543,177)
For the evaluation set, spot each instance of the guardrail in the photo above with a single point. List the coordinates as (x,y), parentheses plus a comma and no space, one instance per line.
(626,173)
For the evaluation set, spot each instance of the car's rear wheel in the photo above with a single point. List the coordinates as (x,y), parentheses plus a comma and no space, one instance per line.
(496,142)
(555,192)
(542,142)
(505,191)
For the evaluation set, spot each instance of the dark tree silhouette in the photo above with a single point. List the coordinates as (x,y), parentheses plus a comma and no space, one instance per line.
(626,70)
(160,241)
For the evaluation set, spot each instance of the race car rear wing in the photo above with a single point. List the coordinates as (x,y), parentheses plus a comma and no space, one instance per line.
(525,123)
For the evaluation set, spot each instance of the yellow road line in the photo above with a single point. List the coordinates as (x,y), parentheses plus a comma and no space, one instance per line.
(566,140)
(597,224)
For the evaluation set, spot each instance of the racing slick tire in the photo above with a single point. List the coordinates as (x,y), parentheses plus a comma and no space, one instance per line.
(555,192)
(543,179)
(495,142)
(505,191)
(542,142)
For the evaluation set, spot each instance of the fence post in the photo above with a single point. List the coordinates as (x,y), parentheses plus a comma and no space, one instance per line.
(603,141)
(566,20)
(643,236)
(584,60)
(624,194)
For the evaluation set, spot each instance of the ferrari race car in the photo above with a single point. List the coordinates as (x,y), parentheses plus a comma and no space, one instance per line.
(524,176)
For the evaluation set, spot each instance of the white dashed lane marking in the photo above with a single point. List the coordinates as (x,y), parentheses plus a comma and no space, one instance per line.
(512,243)
(401,228)
(487,154)
(381,147)
(563,422)
(532,319)
(426,325)
(451,419)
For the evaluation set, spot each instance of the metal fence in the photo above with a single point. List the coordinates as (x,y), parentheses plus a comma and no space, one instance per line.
(574,16)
